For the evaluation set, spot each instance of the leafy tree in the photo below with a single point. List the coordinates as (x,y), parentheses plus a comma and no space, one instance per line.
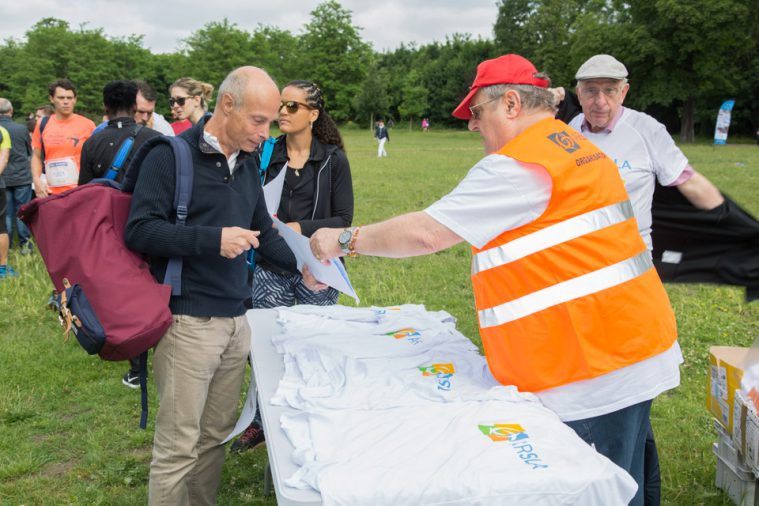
(414,103)
(687,52)
(373,100)
(335,57)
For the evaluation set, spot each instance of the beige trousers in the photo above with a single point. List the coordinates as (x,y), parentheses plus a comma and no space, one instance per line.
(198,369)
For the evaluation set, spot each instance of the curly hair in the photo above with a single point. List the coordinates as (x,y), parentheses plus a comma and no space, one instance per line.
(324,128)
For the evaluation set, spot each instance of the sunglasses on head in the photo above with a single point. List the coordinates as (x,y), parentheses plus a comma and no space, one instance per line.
(178,101)
(292,106)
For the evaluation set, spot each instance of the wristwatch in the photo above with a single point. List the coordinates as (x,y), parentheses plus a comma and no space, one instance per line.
(345,238)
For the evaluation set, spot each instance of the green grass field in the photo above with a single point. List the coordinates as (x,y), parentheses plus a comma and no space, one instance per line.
(69,430)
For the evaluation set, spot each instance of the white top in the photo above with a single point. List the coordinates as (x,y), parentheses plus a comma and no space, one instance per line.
(516,197)
(643,152)
(496,186)
(214,142)
(161,125)
(486,453)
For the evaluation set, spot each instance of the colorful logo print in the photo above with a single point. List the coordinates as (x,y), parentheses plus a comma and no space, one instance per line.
(504,431)
(515,435)
(442,372)
(411,335)
(436,369)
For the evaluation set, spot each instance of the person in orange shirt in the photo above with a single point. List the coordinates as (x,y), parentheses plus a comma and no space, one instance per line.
(59,147)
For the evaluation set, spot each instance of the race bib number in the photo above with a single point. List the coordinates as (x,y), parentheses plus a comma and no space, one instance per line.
(61,172)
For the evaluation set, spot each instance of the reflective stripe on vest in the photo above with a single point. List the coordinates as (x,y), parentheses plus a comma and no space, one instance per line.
(571,295)
(551,236)
(580,286)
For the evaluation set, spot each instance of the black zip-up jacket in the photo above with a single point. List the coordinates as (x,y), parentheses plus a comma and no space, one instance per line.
(330,203)
(211,284)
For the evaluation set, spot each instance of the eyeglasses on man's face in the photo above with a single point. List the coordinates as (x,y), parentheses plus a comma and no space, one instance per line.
(591,92)
(476,109)
(292,106)
(178,101)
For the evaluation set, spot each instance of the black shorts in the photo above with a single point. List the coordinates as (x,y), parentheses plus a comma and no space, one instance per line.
(3,208)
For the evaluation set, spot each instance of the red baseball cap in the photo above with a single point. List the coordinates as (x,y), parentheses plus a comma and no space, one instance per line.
(507,69)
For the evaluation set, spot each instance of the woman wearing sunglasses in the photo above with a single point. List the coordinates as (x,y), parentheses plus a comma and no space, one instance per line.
(189,102)
(318,192)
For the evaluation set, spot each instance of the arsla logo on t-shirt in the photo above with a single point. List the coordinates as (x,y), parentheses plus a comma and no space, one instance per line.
(519,439)
(564,141)
(411,335)
(443,374)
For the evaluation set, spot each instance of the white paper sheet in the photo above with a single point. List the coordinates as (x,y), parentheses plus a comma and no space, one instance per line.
(273,191)
(333,274)
(248,409)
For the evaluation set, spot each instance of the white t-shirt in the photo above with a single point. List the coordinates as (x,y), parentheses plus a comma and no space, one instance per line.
(643,152)
(161,125)
(463,453)
(518,196)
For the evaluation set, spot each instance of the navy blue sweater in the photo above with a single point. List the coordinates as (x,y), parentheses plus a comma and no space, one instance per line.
(211,284)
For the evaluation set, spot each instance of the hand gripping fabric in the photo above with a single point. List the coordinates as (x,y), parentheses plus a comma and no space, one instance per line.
(122,310)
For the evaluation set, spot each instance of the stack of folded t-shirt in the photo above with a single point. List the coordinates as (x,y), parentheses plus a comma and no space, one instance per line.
(397,407)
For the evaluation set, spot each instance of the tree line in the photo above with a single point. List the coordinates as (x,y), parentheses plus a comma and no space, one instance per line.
(684,56)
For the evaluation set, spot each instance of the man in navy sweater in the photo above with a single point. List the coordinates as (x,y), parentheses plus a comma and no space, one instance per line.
(200,363)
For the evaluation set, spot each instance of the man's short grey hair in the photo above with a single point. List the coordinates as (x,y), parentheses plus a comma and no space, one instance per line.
(533,98)
(5,106)
(234,84)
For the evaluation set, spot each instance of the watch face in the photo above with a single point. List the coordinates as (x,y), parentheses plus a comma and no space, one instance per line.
(345,237)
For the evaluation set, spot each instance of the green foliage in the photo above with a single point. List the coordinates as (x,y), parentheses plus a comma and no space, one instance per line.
(373,100)
(683,54)
(334,55)
(414,103)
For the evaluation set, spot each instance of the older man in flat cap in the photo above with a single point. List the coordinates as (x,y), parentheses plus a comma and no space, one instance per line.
(568,302)
(644,153)
(641,147)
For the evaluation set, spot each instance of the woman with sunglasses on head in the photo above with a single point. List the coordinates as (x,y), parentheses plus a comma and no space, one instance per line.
(317,192)
(189,102)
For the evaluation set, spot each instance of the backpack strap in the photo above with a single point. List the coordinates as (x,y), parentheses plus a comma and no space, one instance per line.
(122,153)
(266,150)
(43,124)
(182,196)
(182,192)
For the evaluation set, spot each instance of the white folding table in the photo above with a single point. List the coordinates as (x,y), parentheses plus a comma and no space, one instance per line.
(268,368)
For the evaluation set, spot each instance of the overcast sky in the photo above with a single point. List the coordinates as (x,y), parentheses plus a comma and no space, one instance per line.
(385,23)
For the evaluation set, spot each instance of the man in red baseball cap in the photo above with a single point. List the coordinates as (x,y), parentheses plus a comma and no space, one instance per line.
(568,302)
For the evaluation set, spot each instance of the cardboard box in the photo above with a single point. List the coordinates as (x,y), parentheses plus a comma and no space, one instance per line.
(740,414)
(725,373)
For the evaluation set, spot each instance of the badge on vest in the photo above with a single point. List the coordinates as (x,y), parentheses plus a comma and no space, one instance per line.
(564,141)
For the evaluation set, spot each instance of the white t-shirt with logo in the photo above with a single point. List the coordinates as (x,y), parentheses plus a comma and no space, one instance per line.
(518,196)
(487,453)
(644,152)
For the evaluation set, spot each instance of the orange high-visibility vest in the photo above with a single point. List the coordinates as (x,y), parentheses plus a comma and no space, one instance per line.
(572,295)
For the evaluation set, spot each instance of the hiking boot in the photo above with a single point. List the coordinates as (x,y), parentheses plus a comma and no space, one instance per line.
(27,248)
(252,438)
(131,379)
(6,271)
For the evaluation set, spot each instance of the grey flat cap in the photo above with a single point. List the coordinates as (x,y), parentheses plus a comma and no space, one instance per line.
(601,66)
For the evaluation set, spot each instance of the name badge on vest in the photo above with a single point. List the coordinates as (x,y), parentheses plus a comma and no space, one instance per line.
(61,172)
